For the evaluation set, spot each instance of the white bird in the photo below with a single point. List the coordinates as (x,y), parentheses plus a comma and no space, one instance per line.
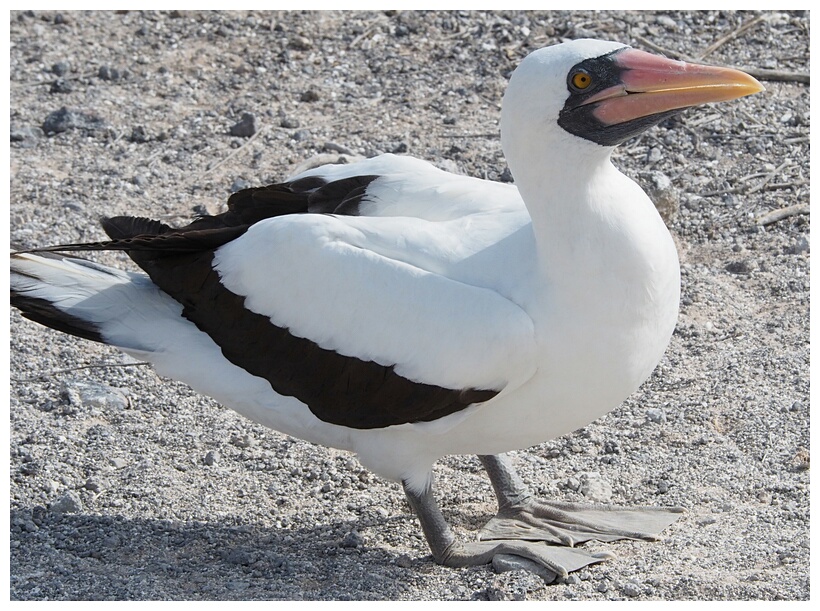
(404,313)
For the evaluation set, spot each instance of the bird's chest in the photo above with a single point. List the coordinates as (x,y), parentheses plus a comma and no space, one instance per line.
(607,329)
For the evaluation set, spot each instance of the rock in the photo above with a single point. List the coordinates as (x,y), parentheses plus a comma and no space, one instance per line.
(666,22)
(300,43)
(240,184)
(740,267)
(245,441)
(68,503)
(799,247)
(60,68)
(139,135)
(595,488)
(27,134)
(662,193)
(108,73)
(246,127)
(352,540)
(61,85)
(311,95)
(242,556)
(656,415)
(93,395)
(64,119)
(92,485)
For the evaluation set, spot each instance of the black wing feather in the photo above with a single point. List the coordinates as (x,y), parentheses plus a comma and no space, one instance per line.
(338,389)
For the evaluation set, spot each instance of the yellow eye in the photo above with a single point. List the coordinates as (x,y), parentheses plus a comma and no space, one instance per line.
(581,80)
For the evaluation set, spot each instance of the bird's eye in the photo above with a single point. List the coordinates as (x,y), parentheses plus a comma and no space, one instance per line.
(581,80)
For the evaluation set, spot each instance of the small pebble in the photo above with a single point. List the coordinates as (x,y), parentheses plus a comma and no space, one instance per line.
(138,134)
(594,487)
(245,441)
(64,119)
(311,95)
(739,267)
(666,22)
(68,503)
(352,540)
(656,415)
(107,73)
(239,184)
(92,485)
(61,85)
(119,463)
(246,127)
(300,43)
(26,134)
(289,122)
(60,68)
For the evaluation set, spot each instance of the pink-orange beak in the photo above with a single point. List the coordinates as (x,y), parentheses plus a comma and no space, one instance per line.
(651,84)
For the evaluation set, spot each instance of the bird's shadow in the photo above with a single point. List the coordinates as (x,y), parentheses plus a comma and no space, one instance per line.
(64,556)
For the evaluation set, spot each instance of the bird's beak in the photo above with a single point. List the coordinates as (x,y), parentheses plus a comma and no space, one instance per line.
(651,84)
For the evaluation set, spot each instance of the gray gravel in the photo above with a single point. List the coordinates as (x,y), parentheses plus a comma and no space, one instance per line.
(127,486)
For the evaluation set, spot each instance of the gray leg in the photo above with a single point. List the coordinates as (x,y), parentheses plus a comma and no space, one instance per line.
(509,489)
(567,524)
(545,560)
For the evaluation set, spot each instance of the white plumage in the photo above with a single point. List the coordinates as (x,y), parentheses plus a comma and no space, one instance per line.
(557,295)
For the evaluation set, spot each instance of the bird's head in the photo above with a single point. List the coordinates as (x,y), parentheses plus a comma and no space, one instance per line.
(605,93)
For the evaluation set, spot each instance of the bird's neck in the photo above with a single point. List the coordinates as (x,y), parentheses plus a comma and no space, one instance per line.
(572,197)
(596,232)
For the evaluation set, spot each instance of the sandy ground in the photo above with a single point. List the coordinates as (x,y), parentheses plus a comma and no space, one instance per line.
(127,486)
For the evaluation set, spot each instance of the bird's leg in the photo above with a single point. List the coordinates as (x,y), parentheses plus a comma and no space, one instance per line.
(522,517)
(546,560)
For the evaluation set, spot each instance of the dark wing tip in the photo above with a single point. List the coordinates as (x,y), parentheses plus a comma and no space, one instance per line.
(124,227)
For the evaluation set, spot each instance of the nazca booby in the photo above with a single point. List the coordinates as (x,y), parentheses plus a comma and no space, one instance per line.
(404,313)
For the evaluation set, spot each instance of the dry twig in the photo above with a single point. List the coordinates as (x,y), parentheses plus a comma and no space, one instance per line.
(212,167)
(759,186)
(782,213)
(731,36)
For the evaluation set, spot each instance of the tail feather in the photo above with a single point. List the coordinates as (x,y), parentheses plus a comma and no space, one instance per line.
(44,312)
(90,300)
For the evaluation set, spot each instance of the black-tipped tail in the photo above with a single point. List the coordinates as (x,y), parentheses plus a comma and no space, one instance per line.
(45,313)
(48,289)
